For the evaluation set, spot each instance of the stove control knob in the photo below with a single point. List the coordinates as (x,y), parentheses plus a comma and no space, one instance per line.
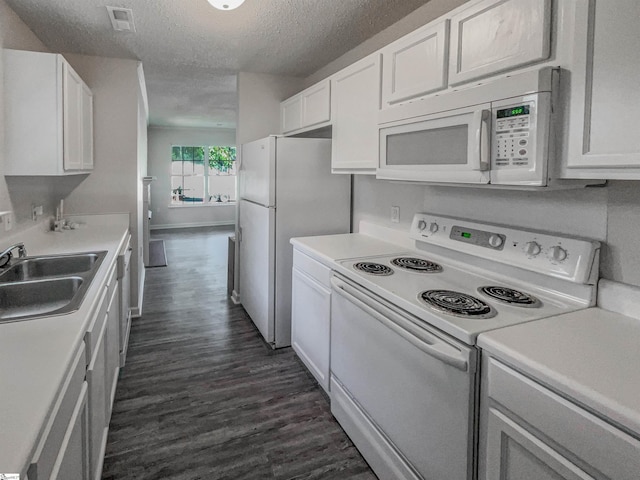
(422,225)
(496,241)
(532,248)
(433,227)
(557,253)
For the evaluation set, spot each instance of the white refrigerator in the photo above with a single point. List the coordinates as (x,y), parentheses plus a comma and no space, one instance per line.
(286,190)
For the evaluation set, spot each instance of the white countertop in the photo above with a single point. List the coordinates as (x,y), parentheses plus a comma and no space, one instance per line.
(329,248)
(592,356)
(35,355)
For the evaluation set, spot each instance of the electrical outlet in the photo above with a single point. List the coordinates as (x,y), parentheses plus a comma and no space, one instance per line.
(395,214)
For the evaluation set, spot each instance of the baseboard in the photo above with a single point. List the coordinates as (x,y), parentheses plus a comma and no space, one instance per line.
(170,226)
(235,297)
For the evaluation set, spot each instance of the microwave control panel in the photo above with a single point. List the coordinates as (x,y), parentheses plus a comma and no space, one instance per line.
(520,139)
(514,135)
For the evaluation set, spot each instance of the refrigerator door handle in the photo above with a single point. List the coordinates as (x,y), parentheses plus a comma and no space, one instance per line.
(239,234)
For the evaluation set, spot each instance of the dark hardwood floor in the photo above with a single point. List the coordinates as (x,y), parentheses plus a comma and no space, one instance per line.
(203,397)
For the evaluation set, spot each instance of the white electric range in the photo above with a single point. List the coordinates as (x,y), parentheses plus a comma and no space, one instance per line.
(404,366)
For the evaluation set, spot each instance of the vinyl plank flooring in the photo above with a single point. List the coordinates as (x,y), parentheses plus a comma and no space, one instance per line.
(202,396)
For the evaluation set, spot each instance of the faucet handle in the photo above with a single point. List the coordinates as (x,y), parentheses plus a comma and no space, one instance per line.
(5,259)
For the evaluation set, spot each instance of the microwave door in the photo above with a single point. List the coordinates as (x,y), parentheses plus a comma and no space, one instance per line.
(451,147)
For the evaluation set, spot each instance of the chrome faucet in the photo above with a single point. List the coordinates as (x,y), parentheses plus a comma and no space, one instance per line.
(5,256)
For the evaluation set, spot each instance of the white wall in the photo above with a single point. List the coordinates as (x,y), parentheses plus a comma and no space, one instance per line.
(115,185)
(161,139)
(259,97)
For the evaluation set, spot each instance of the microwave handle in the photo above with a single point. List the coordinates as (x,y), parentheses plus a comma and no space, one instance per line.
(480,158)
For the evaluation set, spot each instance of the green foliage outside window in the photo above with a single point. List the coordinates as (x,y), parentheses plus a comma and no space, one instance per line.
(220,158)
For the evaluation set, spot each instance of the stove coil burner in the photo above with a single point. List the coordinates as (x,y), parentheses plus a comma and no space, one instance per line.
(373,268)
(511,296)
(416,265)
(457,304)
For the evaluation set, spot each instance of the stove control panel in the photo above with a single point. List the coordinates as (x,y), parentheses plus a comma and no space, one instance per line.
(479,238)
(565,257)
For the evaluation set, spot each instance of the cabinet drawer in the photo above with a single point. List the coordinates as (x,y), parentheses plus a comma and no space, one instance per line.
(599,445)
(312,268)
(56,427)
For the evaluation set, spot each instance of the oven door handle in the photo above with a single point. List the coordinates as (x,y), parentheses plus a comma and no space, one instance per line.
(427,343)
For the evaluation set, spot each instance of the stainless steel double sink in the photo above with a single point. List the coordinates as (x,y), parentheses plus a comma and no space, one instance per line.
(43,286)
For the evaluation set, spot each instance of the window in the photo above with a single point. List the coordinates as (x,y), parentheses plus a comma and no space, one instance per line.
(203,175)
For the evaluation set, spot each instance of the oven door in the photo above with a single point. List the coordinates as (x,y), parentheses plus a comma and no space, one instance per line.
(448,147)
(402,391)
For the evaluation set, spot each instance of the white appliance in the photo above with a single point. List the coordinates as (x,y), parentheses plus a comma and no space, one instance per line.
(501,132)
(286,190)
(404,365)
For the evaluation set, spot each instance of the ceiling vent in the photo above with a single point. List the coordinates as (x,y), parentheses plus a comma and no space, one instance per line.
(121,19)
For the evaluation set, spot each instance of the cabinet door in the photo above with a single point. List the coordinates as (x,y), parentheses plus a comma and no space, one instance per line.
(416,64)
(498,35)
(112,351)
(310,320)
(316,104)
(605,93)
(125,314)
(72,118)
(513,453)
(355,102)
(73,458)
(97,380)
(87,128)
(291,114)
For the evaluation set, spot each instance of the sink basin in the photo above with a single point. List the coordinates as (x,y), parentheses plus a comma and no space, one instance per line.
(38,298)
(44,286)
(34,268)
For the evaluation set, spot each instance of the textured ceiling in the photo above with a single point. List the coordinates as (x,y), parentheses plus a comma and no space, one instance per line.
(191,52)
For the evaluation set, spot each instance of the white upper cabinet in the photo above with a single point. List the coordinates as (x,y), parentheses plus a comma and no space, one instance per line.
(50,116)
(308,109)
(316,104)
(604,136)
(416,64)
(355,102)
(493,36)
(291,114)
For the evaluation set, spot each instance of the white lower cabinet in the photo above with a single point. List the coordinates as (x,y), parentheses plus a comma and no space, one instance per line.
(97,380)
(73,460)
(124,285)
(113,349)
(62,452)
(528,432)
(103,343)
(310,315)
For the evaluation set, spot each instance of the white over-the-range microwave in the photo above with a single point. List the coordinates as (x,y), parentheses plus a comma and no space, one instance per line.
(501,133)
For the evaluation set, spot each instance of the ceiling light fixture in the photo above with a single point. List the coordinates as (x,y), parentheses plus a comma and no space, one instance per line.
(226,4)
